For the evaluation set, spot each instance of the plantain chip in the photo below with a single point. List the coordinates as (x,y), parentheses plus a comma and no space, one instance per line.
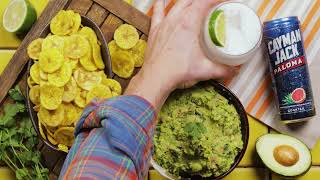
(79,111)
(76,46)
(35,73)
(63,148)
(84,93)
(96,53)
(126,36)
(61,76)
(43,75)
(122,64)
(50,130)
(89,34)
(76,19)
(99,91)
(79,100)
(72,114)
(87,61)
(42,82)
(41,130)
(114,86)
(53,42)
(36,108)
(34,94)
(34,48)
(64,136)
(85,79)
(52,118)
(61,24)
(51,96)
(50,60)
(73,62)
(30,82)
(113,47)
(129,1)
(70,91)
(138,52)
(52,140)
(65,22)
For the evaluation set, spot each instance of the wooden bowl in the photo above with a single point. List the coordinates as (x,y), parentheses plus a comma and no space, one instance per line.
(233,99)
(85,21)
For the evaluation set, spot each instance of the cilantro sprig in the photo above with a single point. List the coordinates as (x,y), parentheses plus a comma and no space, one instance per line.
(18,140)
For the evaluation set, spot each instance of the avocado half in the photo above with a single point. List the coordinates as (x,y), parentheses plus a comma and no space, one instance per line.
(284,155)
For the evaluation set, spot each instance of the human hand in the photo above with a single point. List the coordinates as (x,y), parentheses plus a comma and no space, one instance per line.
(174,57)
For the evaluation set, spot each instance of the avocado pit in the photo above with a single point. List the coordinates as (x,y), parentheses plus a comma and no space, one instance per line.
(286,155)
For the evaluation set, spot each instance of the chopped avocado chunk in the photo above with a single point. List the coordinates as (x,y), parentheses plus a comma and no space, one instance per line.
(195,166)
(285,155)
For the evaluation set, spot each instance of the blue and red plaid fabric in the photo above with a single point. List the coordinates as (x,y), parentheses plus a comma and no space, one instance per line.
(113,140)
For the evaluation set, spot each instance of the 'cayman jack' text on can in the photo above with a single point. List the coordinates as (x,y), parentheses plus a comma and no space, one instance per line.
(289,69)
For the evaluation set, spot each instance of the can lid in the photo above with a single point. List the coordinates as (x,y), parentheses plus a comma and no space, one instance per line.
(280,21)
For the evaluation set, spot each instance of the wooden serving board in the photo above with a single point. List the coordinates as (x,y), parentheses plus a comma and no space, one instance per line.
(108,14)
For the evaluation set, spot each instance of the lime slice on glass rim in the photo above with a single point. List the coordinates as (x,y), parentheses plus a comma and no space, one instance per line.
(217,28)
(19,16)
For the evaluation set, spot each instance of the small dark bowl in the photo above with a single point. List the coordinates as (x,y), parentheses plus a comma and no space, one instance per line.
(233,99)
(85,21)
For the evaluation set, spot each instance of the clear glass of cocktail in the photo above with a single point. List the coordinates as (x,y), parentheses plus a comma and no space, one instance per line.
(232,33)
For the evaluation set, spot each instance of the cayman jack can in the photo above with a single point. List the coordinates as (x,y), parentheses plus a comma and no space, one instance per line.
(289,69)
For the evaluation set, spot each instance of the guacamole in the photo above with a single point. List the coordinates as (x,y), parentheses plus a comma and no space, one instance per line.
(198,133)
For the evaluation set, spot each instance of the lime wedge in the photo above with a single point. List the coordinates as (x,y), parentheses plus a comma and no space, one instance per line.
(19,16)
(217,28)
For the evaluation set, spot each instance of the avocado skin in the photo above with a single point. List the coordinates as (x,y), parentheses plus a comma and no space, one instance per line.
(280,175)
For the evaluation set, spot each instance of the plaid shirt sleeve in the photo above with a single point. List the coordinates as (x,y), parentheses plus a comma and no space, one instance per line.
(113,140)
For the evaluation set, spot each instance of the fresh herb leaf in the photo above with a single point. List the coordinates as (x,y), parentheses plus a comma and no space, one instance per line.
(195,129)
(18,141)
(10,111)
(21,173)
(26,127)
(31,142)
(15,94)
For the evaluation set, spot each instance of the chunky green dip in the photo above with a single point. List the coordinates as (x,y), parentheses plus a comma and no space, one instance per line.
(198,133)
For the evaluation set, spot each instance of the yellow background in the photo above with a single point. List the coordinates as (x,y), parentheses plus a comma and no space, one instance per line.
(250,168)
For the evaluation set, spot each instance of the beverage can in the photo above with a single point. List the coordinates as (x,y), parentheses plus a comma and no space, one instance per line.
(289,69)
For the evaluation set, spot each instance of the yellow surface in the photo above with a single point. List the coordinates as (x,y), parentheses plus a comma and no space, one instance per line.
(154,175)
(10,40)
(5,56)
(248,174)
(316,154)
(312,174)
(6,174)
(257,129)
